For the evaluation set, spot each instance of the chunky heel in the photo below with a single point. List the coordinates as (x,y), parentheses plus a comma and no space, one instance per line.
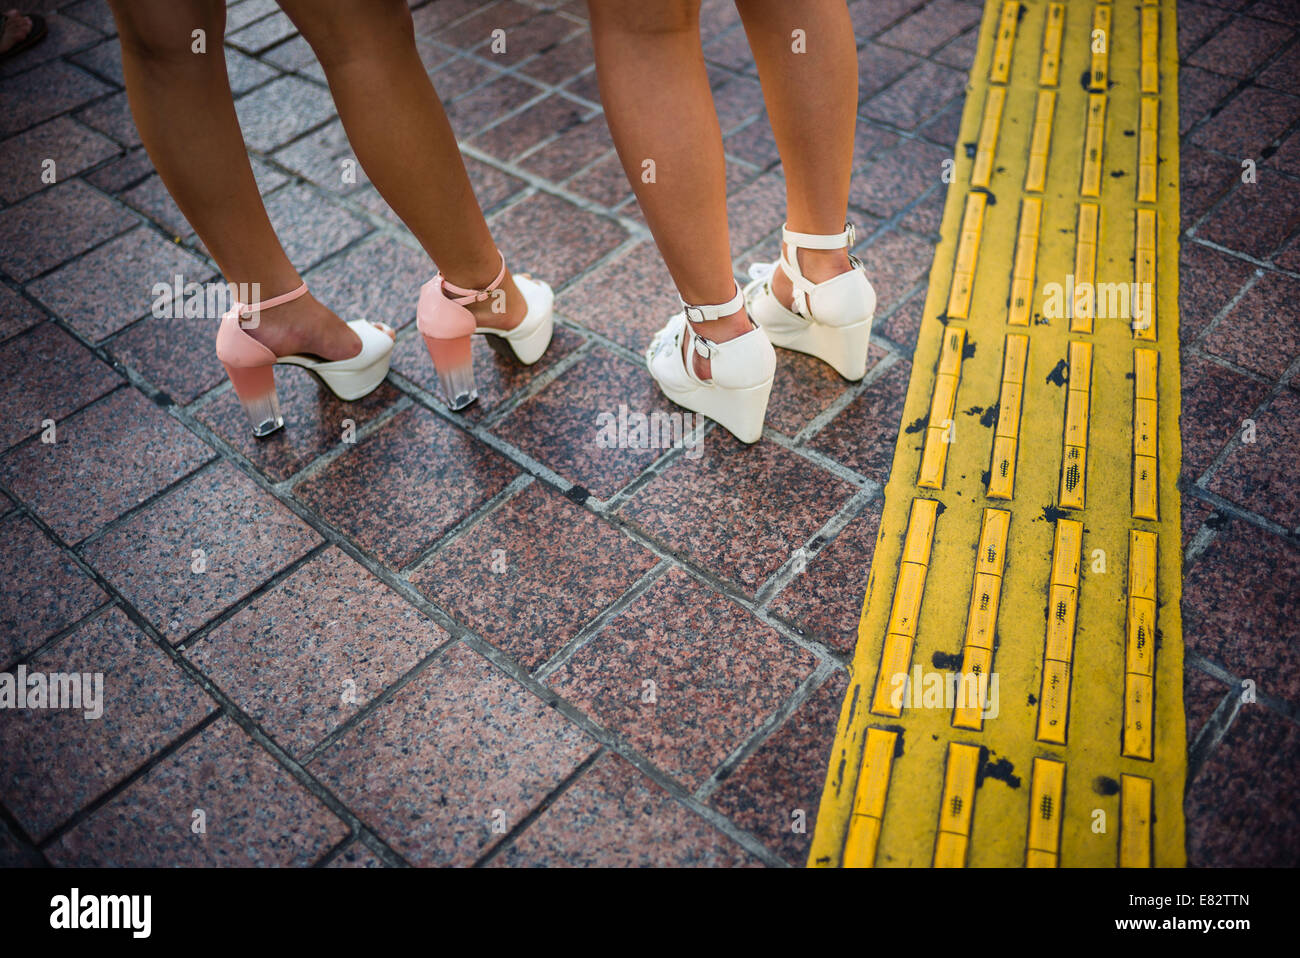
(454,361)
(448,329)
(255,387)
(250,365)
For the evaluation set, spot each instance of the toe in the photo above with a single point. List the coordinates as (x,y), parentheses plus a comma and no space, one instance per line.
(386,330)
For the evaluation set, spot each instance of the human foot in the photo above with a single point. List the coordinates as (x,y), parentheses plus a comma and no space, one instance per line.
(817,265)
(17,28)
(719,330)
(305,327)
(816,299)
(731,365)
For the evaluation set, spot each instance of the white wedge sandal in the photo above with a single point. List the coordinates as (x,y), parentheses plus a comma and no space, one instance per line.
(251,366)
(830,320)
(741,369)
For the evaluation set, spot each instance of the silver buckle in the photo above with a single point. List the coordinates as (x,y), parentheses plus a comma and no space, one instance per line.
(699,309)
(853,234)
(704,348)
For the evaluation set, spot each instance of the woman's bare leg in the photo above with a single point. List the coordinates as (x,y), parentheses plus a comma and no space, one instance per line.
(403,140)
(185,113)
(811,99)
(659,108)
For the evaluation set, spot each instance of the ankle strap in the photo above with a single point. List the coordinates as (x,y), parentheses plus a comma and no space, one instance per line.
(464,296)
(846,237)
(703,314)
(790,263)
(698,345)
(244,309)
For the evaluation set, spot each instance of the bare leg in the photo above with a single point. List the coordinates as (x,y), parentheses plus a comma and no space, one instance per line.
(402,138)
(185,113)
(659,108)
(811,98)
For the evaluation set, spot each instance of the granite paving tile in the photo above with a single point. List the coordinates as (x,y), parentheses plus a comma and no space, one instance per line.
(1260,475)
(566,425)
(305,656)
(71,147)
(1251,334)
(254,813)
(683,675)
(458,757)
(199,549)
(615,817)
(107,459)
(1239,810)
(824,601)
(120,282)
(533,573)
(45,590)
(1240,606)
(55,761)
(54,226)
(406,485)
(775,793)
(47,375)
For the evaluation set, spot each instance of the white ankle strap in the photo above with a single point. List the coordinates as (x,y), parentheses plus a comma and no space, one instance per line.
(698,345)
(846,237)
(790,264)
(703,314)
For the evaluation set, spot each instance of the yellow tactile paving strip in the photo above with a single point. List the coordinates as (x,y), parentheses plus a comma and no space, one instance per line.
(1030,536)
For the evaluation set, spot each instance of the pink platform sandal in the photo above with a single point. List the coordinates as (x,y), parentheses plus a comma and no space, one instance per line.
(250,365)
(448,329)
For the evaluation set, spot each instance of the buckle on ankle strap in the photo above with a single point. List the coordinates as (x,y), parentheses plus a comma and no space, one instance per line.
(704,348)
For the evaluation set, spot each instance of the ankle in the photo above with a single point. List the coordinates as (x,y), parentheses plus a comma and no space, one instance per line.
(724,328)
(819,265)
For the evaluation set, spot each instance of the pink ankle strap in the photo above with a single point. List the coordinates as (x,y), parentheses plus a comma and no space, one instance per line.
(244,309)
(464,296)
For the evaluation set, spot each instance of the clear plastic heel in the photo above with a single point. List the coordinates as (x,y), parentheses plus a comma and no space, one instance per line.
(255,387)
(454,361)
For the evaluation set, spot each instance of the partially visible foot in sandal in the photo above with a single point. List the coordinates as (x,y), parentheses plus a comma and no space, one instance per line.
(351,359)
(816,299)
(728,377)
(515,312)
(19,32)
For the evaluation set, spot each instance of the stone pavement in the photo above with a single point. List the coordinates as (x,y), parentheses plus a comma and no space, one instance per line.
(393,634)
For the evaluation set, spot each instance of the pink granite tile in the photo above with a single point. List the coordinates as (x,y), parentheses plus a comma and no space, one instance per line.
(1240,810)
(199,549)
(718,509)
(1216,401)
(564,425)
(1261,475)
(56,761)
(254,813)
(1253,335)
(114,285)
(54,226)
(824,601)
(72,147)
(45,590)
(453,761)
(305,656)
(785,776)
(533,573)
(1240,606)
(47,375)
(683,675)
(615,817)
(406,485)
(109,458)
(864,434)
